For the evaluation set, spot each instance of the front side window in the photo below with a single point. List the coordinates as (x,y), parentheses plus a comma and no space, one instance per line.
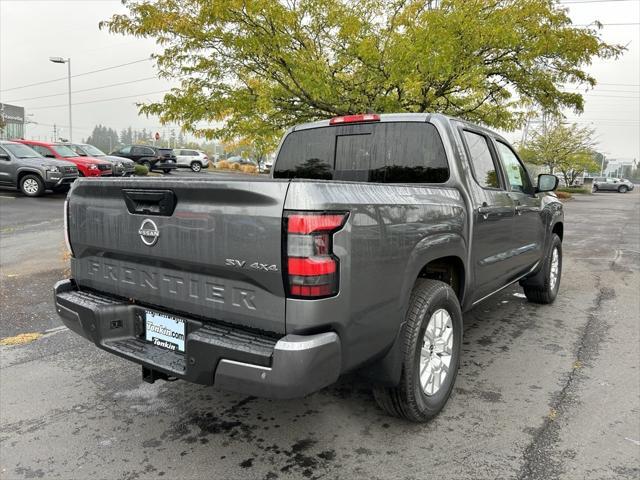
(125,150)
(44,151)
(517,175)
(482,162)
(393,152)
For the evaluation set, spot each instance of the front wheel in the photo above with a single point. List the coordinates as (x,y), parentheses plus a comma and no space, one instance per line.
(431,354)
(543,287)
(32,186)
(166,170)
(595,188)
(623,189)
(196,166)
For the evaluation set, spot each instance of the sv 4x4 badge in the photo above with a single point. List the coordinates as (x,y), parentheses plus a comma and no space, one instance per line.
(232,262)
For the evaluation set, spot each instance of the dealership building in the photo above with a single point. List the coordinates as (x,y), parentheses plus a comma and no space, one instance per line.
(11,121)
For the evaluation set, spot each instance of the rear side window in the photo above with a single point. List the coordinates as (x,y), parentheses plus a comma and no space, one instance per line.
(484,168)
(394,152)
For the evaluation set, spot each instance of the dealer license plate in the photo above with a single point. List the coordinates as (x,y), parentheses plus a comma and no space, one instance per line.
(165,331)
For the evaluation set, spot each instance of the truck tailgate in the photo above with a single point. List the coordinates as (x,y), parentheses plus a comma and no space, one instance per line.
(210,248)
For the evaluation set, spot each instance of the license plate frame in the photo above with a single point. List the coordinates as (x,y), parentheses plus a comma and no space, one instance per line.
(165,331)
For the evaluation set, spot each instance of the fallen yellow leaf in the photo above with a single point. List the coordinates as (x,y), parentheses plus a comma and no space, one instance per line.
(20,339)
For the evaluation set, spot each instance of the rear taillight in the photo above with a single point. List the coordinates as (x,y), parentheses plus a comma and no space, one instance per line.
(366,117)
(312,268)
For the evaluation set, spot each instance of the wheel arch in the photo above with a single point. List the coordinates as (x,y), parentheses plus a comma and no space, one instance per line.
(558,229)
(438,257)
(27,171)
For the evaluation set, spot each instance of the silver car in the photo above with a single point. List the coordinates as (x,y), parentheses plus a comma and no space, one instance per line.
(193,159)
(612,184)
(122,167)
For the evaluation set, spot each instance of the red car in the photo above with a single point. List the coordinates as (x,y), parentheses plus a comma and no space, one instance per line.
(87,166)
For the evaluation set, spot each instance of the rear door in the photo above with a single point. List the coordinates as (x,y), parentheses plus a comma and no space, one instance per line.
(181,157)
(204,248)
(492,239)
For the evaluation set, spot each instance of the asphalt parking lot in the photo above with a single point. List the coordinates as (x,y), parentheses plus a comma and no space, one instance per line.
(543,392)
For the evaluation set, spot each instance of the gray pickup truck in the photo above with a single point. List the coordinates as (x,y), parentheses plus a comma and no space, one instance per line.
(23,168)
(359,254)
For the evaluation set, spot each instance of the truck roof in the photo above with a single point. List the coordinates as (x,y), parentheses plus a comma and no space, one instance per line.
(404,117)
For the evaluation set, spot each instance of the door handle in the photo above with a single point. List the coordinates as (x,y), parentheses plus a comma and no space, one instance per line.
(486,210)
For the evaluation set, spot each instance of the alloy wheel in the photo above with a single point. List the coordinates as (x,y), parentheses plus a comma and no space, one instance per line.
(30,186)
(436,352)
(555,268)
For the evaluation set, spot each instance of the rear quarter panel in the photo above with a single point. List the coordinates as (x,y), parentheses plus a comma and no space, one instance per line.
(391,233)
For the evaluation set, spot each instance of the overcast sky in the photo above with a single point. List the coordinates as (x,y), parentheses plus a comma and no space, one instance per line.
(33,30)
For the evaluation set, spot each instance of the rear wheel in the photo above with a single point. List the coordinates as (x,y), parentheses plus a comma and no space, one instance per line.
(543,287)
(623,189)
(431,354)
(196,166)
(147,164)
(32,185)
(166,170)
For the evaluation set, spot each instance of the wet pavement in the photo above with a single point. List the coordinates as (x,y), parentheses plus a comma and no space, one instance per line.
(543,391)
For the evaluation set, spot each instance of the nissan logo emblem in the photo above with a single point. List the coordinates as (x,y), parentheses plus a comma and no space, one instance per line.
(149,232)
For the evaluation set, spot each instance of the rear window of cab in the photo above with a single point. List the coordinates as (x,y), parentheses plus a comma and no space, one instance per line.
(388,152)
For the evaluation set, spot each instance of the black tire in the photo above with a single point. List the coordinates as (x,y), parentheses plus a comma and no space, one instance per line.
(408,400)
(32,185)
(147,164)
(196,166)
(61,189)
(538,289)
(166,170)
(595,188)
(623,189)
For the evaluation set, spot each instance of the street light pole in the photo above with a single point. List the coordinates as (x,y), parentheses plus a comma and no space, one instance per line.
(68,62)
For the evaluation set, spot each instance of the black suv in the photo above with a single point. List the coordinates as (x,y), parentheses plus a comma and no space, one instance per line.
(154,158)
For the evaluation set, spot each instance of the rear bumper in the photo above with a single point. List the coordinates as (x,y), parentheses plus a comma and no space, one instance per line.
(215,354)
(162,165)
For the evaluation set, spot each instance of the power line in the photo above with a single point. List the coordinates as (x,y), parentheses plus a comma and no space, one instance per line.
(98,101)
(620,84)
(84,90)
(598,24)
(76,75)
(594,1)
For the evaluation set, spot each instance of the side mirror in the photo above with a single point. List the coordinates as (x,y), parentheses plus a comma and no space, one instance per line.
(4,156)
(547,183)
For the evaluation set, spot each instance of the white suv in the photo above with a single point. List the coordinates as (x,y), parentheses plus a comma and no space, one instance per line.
(193,159)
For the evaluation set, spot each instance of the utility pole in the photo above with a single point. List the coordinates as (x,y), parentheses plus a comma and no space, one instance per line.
(55,133)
